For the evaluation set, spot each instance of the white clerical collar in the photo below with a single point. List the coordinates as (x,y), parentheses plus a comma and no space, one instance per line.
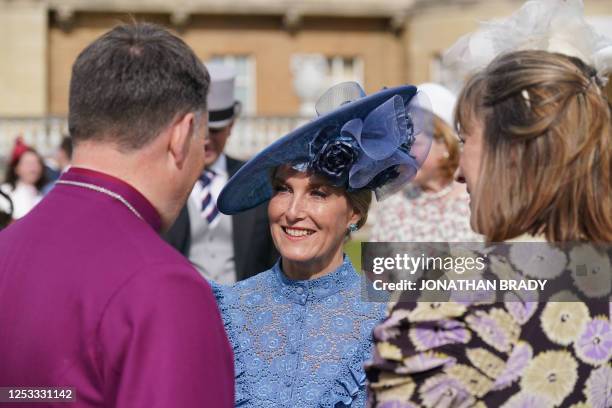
(220,165)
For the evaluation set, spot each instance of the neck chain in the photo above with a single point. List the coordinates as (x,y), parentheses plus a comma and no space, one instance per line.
(439,194)
(103,191)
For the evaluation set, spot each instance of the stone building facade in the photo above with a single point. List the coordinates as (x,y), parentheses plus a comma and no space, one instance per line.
(274,44)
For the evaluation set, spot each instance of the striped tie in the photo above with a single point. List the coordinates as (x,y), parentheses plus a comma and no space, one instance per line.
(209,207)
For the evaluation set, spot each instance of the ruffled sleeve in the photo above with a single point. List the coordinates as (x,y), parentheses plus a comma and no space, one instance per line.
(227,298)
(349,387)
(348,390)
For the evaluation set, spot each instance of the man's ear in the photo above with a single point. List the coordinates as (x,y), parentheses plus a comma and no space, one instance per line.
(181,132)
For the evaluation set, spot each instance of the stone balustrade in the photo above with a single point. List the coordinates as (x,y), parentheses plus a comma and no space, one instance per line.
(250,134)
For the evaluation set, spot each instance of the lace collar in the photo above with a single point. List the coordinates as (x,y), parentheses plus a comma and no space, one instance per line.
(301,291)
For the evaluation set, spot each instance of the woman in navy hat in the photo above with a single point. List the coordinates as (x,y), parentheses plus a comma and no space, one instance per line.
(301,330)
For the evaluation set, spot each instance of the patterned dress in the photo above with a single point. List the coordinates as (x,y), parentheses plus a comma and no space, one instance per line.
(506,354)
(299,343)
(413,215)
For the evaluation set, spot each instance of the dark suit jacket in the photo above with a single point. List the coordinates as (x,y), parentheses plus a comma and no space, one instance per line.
(254,250)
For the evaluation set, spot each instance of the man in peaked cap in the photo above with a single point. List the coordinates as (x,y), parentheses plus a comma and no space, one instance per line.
(223,248)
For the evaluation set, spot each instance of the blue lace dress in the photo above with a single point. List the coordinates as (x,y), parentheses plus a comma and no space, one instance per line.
(299,343)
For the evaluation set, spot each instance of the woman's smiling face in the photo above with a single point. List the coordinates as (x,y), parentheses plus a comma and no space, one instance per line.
(308,220)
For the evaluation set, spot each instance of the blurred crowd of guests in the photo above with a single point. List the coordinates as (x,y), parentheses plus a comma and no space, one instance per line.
(433,207)
(29,177)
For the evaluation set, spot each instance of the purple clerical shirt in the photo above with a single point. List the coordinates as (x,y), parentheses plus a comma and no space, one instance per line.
(92,298)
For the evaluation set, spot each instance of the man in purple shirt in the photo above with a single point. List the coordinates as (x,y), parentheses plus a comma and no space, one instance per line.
(91,298)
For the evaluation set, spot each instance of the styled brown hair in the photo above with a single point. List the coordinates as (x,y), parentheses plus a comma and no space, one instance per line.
(360,201)
(547,148)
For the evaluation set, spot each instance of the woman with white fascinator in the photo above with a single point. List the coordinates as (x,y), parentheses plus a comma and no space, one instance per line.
(536,128)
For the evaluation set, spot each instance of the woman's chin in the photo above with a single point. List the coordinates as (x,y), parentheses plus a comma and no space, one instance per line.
(296,257)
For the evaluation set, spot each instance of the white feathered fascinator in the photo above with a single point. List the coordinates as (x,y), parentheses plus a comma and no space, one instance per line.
(548,25)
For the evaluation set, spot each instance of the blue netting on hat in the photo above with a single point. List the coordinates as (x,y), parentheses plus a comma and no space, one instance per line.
(338,95)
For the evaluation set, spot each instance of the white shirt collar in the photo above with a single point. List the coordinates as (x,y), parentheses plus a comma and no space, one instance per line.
(220,165)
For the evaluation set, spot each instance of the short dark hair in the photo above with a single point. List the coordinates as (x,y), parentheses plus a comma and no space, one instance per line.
(66,146)
(130,83)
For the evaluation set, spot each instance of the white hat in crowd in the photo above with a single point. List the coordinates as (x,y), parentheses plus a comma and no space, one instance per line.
(222,104)
(442,101)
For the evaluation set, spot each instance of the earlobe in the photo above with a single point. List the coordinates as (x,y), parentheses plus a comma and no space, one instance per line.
(180,138)
(355,219)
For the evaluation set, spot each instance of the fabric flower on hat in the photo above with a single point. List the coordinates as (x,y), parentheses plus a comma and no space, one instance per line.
(365,153)
(333,158)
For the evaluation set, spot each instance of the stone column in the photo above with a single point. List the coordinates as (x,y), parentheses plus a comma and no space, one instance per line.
(23,61)
(309,80)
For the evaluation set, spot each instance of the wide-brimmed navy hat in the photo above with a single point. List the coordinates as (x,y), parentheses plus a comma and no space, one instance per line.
(357,142)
